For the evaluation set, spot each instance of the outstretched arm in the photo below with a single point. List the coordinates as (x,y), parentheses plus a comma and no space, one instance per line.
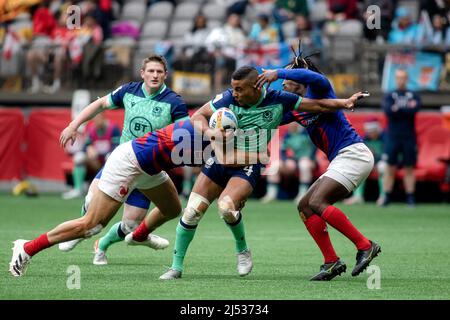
(70,132)
(330,105)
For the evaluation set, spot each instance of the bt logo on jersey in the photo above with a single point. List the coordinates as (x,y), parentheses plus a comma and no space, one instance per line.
(139,126)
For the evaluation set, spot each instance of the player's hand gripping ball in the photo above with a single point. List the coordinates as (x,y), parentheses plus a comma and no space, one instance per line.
(223,118)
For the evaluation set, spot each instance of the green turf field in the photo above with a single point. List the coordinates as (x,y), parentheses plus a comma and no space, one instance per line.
(413,263)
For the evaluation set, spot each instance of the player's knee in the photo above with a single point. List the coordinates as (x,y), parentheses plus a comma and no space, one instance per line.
(303,216)
(91,226)
(302,204)
(227,210)
(127,226)
(195,209)
(93,230)
(191,216)
(79,228)
(316,203)
(86,228)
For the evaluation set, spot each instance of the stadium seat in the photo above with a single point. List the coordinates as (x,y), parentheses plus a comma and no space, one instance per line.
(186,10)
(160,10)
(214,23)
(214,11)
(155,29)
(179,28)
(147,45)
(351,28)
(342,49)
(134,11)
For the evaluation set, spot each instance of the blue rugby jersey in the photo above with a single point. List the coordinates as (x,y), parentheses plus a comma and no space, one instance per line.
(175,145)
(330,132)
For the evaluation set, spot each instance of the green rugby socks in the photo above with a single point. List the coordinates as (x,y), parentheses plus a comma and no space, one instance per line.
(238,230)
(185,234)
(115,234)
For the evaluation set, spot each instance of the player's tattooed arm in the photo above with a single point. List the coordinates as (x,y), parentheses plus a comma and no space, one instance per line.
(330,105)
(94,108)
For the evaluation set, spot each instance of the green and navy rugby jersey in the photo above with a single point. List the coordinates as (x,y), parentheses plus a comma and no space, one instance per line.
(145,113)
(258,120)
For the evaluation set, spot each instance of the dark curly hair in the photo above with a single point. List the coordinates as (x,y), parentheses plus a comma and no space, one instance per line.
(300,62)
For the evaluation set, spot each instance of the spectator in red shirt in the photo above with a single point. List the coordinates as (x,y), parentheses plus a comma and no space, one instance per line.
(342,9)
(43,20)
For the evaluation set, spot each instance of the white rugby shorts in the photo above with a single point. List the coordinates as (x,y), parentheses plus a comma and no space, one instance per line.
(122,174)
(351,166)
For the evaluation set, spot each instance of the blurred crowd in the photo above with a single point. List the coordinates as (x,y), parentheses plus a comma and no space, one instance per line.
(196,35)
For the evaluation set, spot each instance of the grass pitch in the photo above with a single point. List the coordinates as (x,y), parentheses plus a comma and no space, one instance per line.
(413,263)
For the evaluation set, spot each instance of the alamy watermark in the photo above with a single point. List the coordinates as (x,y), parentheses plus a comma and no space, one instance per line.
(73,20)
(373,20)
(374,280)
(74,279)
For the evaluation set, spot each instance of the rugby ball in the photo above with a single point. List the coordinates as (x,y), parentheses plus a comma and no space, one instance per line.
(223,118)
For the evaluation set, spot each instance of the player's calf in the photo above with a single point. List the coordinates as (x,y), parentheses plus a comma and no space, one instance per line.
(67,246)
(316,203)
(83,231)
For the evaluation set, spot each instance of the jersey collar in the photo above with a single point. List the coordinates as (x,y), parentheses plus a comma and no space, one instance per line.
(151,96)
